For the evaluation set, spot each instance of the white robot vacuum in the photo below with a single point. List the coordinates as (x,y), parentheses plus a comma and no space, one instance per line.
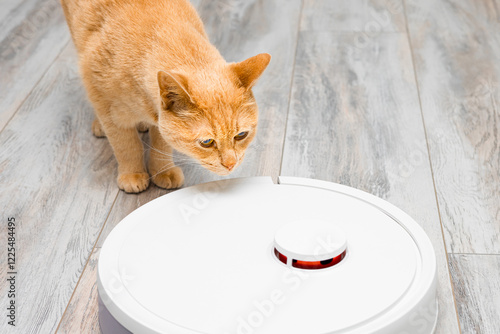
(246,256)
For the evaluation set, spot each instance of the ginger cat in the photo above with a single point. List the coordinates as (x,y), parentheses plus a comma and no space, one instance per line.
(151,63)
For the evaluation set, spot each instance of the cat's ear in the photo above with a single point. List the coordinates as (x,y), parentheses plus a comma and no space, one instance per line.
(173,86)
(248,71)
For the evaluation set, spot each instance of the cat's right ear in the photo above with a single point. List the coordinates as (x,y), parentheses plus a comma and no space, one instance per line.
(248,71)
(173,87)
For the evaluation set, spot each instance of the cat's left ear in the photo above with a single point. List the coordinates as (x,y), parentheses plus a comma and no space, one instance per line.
(248,71)
(173,86)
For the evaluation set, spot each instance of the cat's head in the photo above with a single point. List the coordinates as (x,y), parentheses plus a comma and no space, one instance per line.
(211,115)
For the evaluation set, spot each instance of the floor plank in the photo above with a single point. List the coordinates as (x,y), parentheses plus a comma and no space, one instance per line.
(31,36)
(477,288)
(54,177)
(456,48)
(82,313)
(369,16)
(356,121)
(241,30)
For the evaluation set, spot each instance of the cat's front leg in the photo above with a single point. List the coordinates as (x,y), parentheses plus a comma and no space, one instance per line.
(128,149)
(164,173)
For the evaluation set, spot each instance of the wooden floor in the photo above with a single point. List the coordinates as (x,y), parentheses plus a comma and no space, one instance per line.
(400,98)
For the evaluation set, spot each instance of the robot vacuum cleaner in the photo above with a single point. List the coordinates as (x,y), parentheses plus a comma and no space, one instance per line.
(247,256)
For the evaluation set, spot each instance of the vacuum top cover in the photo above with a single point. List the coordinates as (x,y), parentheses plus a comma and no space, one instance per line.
(250,256)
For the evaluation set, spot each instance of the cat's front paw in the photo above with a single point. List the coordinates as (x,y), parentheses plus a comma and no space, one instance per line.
(133,182)
(170,179)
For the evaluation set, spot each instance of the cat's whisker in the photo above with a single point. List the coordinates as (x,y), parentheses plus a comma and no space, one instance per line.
(162,171)
(179,160)
(176,160)
(170,166)
(157,150)
(170,157)
(166,154)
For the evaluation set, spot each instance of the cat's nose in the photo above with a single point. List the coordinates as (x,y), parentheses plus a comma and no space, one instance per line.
(229,164)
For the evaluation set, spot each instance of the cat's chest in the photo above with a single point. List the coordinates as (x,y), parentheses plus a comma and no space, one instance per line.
(128,111)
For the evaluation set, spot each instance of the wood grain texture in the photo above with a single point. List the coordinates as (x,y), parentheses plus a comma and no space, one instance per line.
(477,289)
(456,47)
(31,36)
(241,29)
(81,315)
(356,121)
(55,180)
(369,16)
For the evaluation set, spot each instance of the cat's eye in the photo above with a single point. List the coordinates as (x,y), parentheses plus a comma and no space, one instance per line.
(207,143)
(241,135)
